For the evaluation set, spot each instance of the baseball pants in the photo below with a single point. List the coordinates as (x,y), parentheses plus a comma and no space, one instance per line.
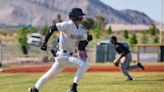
(61,61)
(125,65)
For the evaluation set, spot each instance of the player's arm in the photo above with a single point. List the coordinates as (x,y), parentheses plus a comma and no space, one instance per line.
(89,37)
(82,45)
(81,49)
(50,31)
(117,61)
(120,56)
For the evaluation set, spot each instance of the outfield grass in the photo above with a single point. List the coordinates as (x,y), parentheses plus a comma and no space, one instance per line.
(92,82)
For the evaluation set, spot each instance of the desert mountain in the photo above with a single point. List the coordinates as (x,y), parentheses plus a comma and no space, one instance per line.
(39,12)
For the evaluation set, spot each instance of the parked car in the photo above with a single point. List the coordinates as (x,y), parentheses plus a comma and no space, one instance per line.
(35,39)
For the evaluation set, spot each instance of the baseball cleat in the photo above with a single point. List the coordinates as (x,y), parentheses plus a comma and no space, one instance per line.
(129,79)
(33,90)
(140,66)
(71,90)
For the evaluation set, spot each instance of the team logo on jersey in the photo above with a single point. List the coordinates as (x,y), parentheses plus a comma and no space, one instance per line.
(77,37)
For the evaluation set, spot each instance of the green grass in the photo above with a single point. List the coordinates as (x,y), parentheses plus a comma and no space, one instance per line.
(91,82)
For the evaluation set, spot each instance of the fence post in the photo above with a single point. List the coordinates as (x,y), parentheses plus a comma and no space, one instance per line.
(1,54)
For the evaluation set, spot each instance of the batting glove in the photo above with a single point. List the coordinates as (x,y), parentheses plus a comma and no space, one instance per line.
(44,46)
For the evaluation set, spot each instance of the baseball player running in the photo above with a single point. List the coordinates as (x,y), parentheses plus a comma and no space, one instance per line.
(124,52)
(71,33)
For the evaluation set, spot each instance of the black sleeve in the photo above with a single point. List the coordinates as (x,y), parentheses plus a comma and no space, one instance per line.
(50,31)
(89,37)
(82,45)
(119,49)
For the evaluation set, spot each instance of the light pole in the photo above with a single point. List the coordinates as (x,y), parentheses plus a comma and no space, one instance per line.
(161,23)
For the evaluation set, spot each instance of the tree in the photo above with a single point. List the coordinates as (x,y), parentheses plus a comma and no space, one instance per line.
(101,21)
(96,31)
(88,23)
(155,39)
(32,30)
(152,30)
(22,38)
(126,34)
(109,30)
(133,40)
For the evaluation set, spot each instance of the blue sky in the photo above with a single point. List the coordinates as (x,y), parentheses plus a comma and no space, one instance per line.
(150,7)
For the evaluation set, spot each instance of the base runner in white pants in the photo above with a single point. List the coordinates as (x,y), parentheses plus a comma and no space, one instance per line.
(71,33)
(124,52)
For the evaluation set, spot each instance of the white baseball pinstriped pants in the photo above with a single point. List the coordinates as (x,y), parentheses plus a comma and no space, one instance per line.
(125,65)
(61,61)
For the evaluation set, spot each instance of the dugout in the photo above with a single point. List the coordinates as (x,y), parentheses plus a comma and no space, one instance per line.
(150,52)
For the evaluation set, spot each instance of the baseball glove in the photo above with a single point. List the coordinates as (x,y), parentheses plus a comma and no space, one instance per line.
(116,63)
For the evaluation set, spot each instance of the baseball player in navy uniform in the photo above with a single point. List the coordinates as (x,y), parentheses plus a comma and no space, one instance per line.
(124,52)
(71,35)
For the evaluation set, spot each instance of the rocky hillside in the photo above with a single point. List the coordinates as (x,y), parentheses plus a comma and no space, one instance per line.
(39,12)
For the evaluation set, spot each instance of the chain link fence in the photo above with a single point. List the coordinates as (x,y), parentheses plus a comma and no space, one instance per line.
(13,54)
(150,52)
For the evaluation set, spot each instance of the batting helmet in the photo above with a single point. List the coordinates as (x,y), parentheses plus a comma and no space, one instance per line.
(76,13)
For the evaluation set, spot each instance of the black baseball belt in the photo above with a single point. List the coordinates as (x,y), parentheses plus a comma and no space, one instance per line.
(71,53)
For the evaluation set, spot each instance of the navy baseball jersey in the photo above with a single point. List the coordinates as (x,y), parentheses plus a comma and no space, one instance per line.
(120,48)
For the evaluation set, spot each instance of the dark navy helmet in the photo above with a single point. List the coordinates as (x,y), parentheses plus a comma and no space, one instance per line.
(76,13)
(113,38)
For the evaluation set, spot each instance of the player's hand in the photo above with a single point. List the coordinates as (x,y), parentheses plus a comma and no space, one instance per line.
(116,63)
(89,37)
(82,55)
(43,46)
